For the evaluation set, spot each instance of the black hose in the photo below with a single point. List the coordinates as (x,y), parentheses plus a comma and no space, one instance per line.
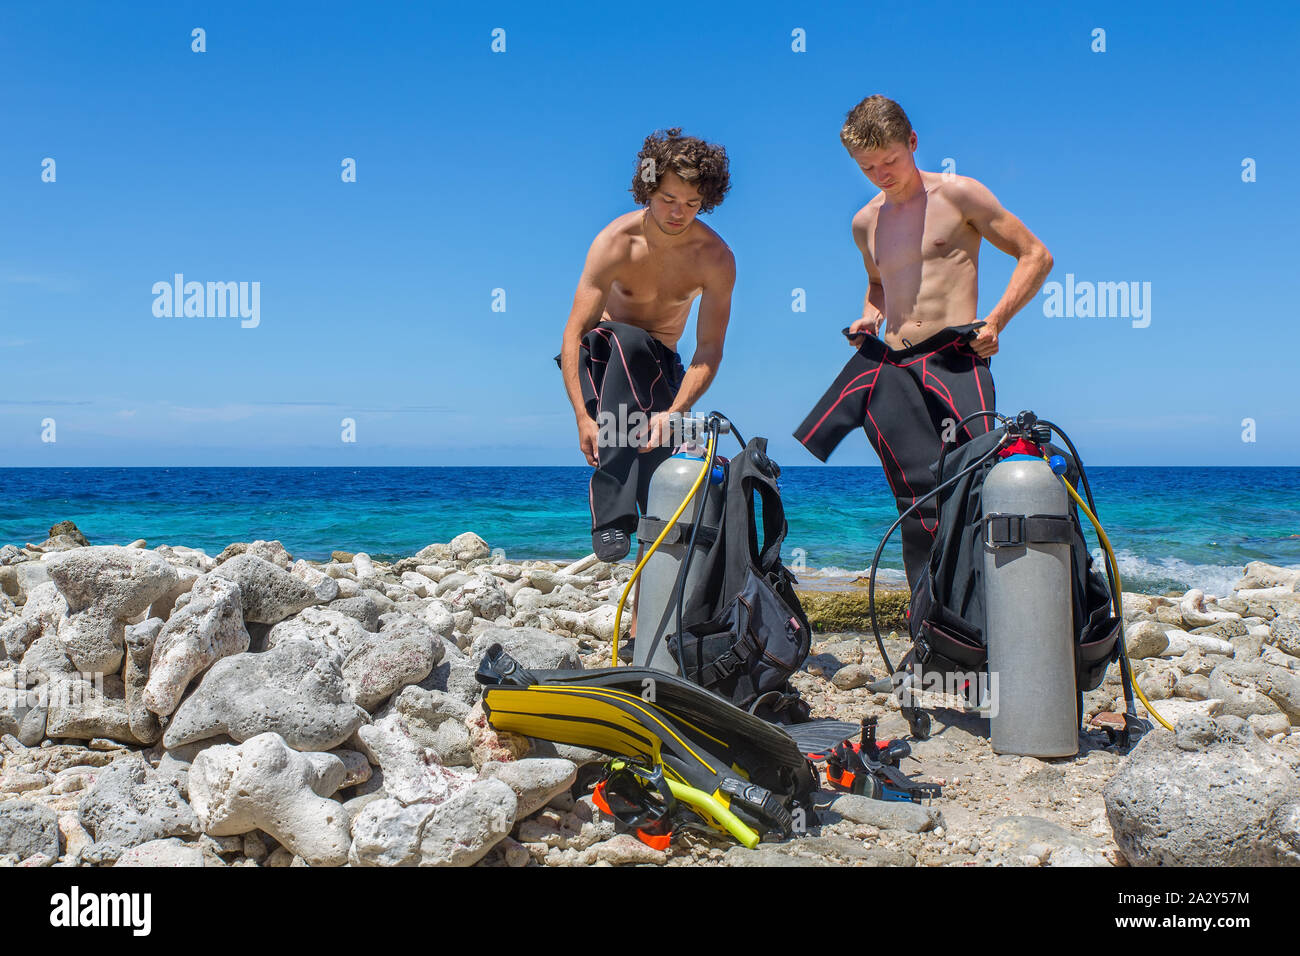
(875,561)
(1083,475)
(943,452)
(1125,672)
(712,424)
(711,427)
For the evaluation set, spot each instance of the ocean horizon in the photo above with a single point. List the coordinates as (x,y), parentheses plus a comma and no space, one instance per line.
(1172,527)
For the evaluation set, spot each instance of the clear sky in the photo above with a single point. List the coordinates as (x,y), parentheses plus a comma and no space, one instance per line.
(478,170)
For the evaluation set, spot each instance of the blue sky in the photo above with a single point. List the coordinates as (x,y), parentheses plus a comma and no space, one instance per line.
(479,170)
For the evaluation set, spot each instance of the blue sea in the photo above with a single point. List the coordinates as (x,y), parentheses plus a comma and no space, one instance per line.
(1171,527)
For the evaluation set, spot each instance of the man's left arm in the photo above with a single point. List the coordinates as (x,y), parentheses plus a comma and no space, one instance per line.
(710,332)
(1007,233)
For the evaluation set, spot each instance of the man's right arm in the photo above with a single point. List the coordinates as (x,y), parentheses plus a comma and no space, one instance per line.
(586,313)
(873,304)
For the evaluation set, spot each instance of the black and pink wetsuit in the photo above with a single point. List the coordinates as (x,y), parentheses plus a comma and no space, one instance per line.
(905,400)
(626,374)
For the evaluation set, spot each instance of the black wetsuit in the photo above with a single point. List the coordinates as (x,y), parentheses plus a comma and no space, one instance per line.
(624,370)
(905,400)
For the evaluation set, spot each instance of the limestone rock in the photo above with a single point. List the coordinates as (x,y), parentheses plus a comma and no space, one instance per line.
(162,853)
(488,744)
(1284,634)
(887,815)
(1146,639)
(532,647)
(208,628)
(1019,836)
(1254,687)
(468,547)
(128,805)
(412,772)
(436,720)
(272,551)
(27,829)
(1259,575)
(92,641)
(295,690)
(1204,797)
(264,785)
(324,586)
(117,582)
(360,608)
(269,593)
(403,653)
(535,781)
(80,710)
(458,831)
(328,626)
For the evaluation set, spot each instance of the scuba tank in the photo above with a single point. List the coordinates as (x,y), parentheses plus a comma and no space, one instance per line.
(1030,627)
(656,607)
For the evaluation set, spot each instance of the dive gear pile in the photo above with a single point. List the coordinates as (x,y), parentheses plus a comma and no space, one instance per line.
(739,627)
(722,767)
(982,556)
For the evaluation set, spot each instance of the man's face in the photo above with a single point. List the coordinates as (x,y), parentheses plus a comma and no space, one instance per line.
(675,204)
(890,167)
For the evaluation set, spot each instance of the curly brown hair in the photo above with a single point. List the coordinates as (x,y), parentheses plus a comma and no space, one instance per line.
(703,165)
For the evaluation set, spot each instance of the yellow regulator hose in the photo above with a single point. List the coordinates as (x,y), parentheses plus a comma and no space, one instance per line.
(671,523)
(1119,589)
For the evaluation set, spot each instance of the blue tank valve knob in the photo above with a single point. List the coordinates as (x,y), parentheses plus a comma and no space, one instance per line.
(1057,464)
(717,475)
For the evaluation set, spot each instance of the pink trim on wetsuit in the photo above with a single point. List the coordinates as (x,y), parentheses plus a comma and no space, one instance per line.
(845,392)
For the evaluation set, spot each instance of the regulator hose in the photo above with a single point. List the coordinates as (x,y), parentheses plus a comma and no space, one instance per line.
(1116,593)
(1112,572)
(668,526)
(875,561)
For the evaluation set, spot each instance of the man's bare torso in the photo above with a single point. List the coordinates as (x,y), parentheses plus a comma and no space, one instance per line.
(927,255)
(655,284)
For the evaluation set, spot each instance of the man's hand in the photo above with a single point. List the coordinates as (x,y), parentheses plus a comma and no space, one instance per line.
(862,328)
(985,343)
(588,433)
(658,432)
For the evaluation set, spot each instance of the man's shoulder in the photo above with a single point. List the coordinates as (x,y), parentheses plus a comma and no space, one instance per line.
(614,242)
(866,216)
(622,227)
(713,249)
(961,191)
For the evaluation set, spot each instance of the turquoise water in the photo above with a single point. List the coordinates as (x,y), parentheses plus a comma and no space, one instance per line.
(1171,527)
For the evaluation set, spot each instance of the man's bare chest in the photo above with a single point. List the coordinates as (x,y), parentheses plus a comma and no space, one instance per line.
(904,239)
(661,280)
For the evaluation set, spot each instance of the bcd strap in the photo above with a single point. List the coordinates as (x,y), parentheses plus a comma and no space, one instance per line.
(1016,531)
(650,528)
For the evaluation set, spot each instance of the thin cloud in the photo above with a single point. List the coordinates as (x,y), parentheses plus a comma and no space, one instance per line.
(41,402)
(52,283)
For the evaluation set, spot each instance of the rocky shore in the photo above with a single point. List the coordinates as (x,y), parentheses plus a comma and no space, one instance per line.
(160,706)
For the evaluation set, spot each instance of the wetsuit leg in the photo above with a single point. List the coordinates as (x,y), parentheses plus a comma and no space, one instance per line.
(626,374)
(907,401)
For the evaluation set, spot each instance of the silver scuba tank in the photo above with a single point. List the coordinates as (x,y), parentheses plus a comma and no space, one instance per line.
(656,607)
(1028,608)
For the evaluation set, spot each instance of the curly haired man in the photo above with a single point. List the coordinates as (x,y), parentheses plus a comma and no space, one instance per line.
(643,272)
